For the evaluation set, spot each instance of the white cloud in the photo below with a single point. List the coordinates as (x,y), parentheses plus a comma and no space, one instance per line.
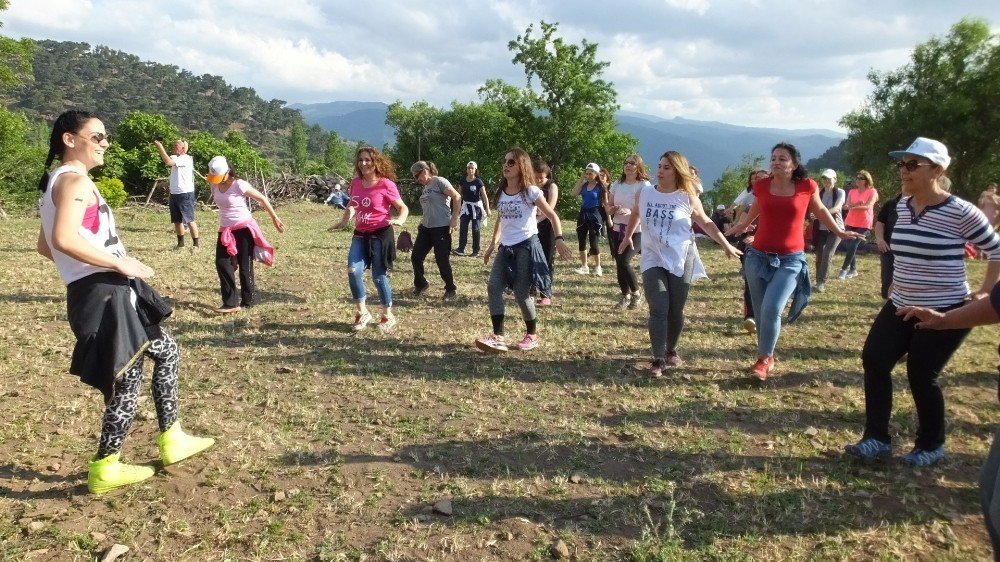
(788,63)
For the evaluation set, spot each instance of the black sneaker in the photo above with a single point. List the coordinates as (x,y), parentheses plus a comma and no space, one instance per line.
(457,253)
(474,255)
(450,296)
(417,291)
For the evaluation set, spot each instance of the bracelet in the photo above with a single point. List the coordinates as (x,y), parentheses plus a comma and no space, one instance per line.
(560,237)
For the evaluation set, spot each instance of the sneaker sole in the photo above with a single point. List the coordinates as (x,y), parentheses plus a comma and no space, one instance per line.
(873,459)
(488,349)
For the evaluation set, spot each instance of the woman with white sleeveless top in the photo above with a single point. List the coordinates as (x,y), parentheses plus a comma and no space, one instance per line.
(114,314)
(669,260)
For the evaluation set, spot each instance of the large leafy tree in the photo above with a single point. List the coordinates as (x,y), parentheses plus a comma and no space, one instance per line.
(567,121)
(21,156)
(948,91)
(579,106)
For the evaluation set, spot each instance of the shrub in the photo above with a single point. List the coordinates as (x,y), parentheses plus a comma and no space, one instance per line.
(113,191)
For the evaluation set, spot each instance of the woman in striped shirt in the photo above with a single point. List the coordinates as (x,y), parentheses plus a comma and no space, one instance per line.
(928,243)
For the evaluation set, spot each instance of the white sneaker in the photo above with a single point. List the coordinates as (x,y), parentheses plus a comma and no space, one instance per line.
(852,274)
(842,275)
(598,271)
(583,270)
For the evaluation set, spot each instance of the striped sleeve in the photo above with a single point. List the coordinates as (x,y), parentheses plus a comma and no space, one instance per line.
(976,228)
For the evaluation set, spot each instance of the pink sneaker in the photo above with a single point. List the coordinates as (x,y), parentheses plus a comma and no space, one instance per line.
(546,301)
(529,342)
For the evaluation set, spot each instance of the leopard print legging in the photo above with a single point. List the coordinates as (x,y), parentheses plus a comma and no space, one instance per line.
(121,408)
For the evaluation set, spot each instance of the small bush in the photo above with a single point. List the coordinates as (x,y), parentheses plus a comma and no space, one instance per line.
(113,191)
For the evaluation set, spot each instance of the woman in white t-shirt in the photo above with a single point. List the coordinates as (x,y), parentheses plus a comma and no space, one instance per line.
(620,200)
(668,261)
(520,261)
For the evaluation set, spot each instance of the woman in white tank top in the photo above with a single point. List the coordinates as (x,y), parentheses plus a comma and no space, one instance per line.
(114,315)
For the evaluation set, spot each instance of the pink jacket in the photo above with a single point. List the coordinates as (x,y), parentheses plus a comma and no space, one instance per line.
(263,250)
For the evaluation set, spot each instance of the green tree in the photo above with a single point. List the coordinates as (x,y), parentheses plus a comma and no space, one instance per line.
(947,91)
(15,59)
(298,145)
(578,105)
(732,181)
(338,155)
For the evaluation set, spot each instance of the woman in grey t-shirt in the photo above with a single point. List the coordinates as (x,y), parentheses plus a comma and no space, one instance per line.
(441,205)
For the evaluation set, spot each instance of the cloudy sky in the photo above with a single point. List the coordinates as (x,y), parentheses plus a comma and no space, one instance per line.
(779,63)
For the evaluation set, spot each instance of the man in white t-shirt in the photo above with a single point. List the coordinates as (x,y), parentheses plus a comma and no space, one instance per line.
(181,189)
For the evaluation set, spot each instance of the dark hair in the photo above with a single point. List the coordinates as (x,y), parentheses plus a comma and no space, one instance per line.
(750,178)
(799,173)
(69,122)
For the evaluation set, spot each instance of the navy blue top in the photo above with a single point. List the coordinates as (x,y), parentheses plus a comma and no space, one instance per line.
(472,190)
(591,197)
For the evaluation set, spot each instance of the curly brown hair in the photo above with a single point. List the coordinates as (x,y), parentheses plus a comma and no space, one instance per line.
(384,168)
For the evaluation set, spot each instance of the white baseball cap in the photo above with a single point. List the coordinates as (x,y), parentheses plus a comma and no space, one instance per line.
(218,167)
(472,164)
(593,168)
(829,173)
(933,150)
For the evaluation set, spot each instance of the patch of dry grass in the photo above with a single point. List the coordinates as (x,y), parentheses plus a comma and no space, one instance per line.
(335,445)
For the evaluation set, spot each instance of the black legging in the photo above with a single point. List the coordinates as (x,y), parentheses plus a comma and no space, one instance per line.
(120,408)
(227,265)
(547,237)
(588,227)
(927,352)
(628,281)
(438,238)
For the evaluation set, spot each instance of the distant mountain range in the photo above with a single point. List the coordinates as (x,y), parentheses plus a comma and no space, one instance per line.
(710,146)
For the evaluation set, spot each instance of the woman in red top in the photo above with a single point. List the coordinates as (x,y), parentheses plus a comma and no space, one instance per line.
(775,263)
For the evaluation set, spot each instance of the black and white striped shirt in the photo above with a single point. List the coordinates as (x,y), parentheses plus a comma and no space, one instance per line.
(930,251)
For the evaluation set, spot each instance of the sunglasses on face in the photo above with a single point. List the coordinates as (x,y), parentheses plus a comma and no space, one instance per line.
(510,162)
(630,163)
(96,138)
(911,165)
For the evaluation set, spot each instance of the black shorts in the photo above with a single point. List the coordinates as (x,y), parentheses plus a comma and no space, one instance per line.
(182,207)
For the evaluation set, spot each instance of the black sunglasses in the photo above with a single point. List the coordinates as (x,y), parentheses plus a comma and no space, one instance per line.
(510,162)
(911,165)
(96,138)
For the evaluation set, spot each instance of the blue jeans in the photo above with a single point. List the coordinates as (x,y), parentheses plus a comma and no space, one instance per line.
(356,270)
(851,249)
(771,279)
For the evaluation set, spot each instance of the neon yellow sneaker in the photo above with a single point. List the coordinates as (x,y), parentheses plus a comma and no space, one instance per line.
(107,474)
(175,445)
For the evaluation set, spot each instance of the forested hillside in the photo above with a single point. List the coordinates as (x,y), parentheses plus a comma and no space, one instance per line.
(114,84)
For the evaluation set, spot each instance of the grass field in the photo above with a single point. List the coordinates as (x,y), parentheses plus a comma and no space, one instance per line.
(337,446)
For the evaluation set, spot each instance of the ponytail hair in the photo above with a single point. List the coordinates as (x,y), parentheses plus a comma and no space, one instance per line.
(69,122)
(799,173)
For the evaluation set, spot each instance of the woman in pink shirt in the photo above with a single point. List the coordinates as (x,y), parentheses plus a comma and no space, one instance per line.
(239,234)
(373,195)
(860,215)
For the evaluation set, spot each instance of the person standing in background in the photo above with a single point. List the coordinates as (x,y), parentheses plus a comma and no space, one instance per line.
(441,205)
(884,224)
(475,209)
(181,190)
(825,242)
(590,222)
(550,191)
(989,204)
(860,216)
(621,200)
